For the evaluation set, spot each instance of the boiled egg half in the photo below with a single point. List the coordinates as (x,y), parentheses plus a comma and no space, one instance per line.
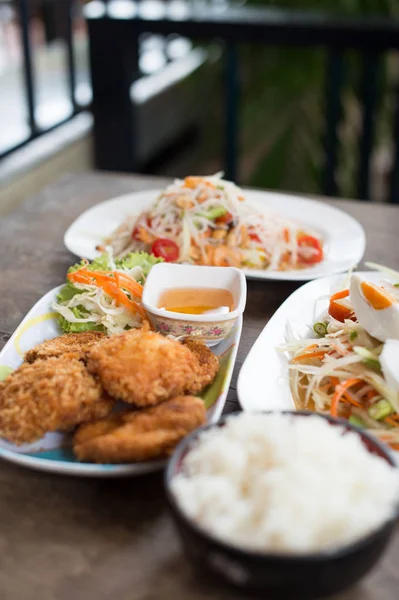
(376,309)
(389,359)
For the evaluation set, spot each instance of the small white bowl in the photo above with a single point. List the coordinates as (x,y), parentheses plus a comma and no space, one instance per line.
(210,328)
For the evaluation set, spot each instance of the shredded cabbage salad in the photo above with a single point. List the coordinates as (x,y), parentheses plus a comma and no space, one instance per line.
(339,369)
(207,221)
(104,295)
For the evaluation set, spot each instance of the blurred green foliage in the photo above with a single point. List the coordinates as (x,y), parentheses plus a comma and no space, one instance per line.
(282,105)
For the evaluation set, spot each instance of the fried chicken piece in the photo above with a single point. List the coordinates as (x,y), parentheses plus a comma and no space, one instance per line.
(144,434)
(74,344)
(142,367)
(57,393)
(207,365)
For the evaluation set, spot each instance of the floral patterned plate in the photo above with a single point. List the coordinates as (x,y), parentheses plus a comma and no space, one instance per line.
(53,452)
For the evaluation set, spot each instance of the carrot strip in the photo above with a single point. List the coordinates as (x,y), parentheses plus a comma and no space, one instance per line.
(120,297)
(78,277)
(391,421)
(130,284)
(339,392)
(393,446)
(111,282)
(308,355)
(351,400)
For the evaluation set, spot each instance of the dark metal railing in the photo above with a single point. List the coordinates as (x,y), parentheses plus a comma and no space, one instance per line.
(65,15)
(113,41)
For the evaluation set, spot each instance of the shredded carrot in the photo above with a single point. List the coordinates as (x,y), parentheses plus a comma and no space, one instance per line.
(339,392)
(391,421)
(130,284)
(308,355)
(351,400)
(112,283)
(79,278)
(120,297)
(393,446)
(311,347)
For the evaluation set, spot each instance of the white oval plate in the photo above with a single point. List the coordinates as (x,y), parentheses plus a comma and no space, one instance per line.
(53,452)
(263,382)
(344,236)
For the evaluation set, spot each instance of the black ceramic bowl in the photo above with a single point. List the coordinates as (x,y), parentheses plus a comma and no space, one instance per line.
(280,575)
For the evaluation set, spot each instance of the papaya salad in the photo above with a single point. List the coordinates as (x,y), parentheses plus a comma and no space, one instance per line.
(104,295)
(349,367)
(207,221)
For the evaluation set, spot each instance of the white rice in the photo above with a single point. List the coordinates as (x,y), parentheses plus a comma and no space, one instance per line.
(285,484)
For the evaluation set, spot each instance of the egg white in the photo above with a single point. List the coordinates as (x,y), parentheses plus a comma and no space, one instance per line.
(382,324)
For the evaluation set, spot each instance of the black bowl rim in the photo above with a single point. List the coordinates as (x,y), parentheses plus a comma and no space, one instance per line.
(289,558)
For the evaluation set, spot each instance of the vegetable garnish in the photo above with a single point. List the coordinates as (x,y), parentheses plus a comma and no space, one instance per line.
(310,249)
(104,295)
(206,221)
(166,249)
(338,310)
(339,392)
(350,366)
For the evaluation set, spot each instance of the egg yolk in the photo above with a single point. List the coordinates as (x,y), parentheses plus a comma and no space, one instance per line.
(377,297)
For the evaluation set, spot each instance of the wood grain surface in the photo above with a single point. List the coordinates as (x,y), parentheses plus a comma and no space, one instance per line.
(84,539)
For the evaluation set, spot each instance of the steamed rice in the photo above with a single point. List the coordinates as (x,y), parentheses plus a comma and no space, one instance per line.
(285,484)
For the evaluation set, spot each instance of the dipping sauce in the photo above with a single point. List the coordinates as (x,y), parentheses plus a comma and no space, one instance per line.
(195,301)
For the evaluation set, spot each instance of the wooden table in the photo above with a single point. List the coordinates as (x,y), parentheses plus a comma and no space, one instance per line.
(84,539)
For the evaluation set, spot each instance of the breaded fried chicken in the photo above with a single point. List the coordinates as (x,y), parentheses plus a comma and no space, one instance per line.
(57,393)
(142,367)
(75,344)
(207,365)
(144,434)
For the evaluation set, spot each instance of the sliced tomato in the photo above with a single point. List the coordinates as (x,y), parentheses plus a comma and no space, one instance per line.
(224,219)
(166,249)
(309,241)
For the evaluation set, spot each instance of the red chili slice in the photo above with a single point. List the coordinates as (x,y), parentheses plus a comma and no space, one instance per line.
(308,241)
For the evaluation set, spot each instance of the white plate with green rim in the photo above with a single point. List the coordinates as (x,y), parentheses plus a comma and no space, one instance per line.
(53,452)
(344,238)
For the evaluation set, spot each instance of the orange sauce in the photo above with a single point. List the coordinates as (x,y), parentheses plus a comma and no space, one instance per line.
(195,301)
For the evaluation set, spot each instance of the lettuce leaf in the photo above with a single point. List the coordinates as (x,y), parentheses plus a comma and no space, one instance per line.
(138,259)
(80,313)
(101,263)
(131,260)
(68,327)
(67,292)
